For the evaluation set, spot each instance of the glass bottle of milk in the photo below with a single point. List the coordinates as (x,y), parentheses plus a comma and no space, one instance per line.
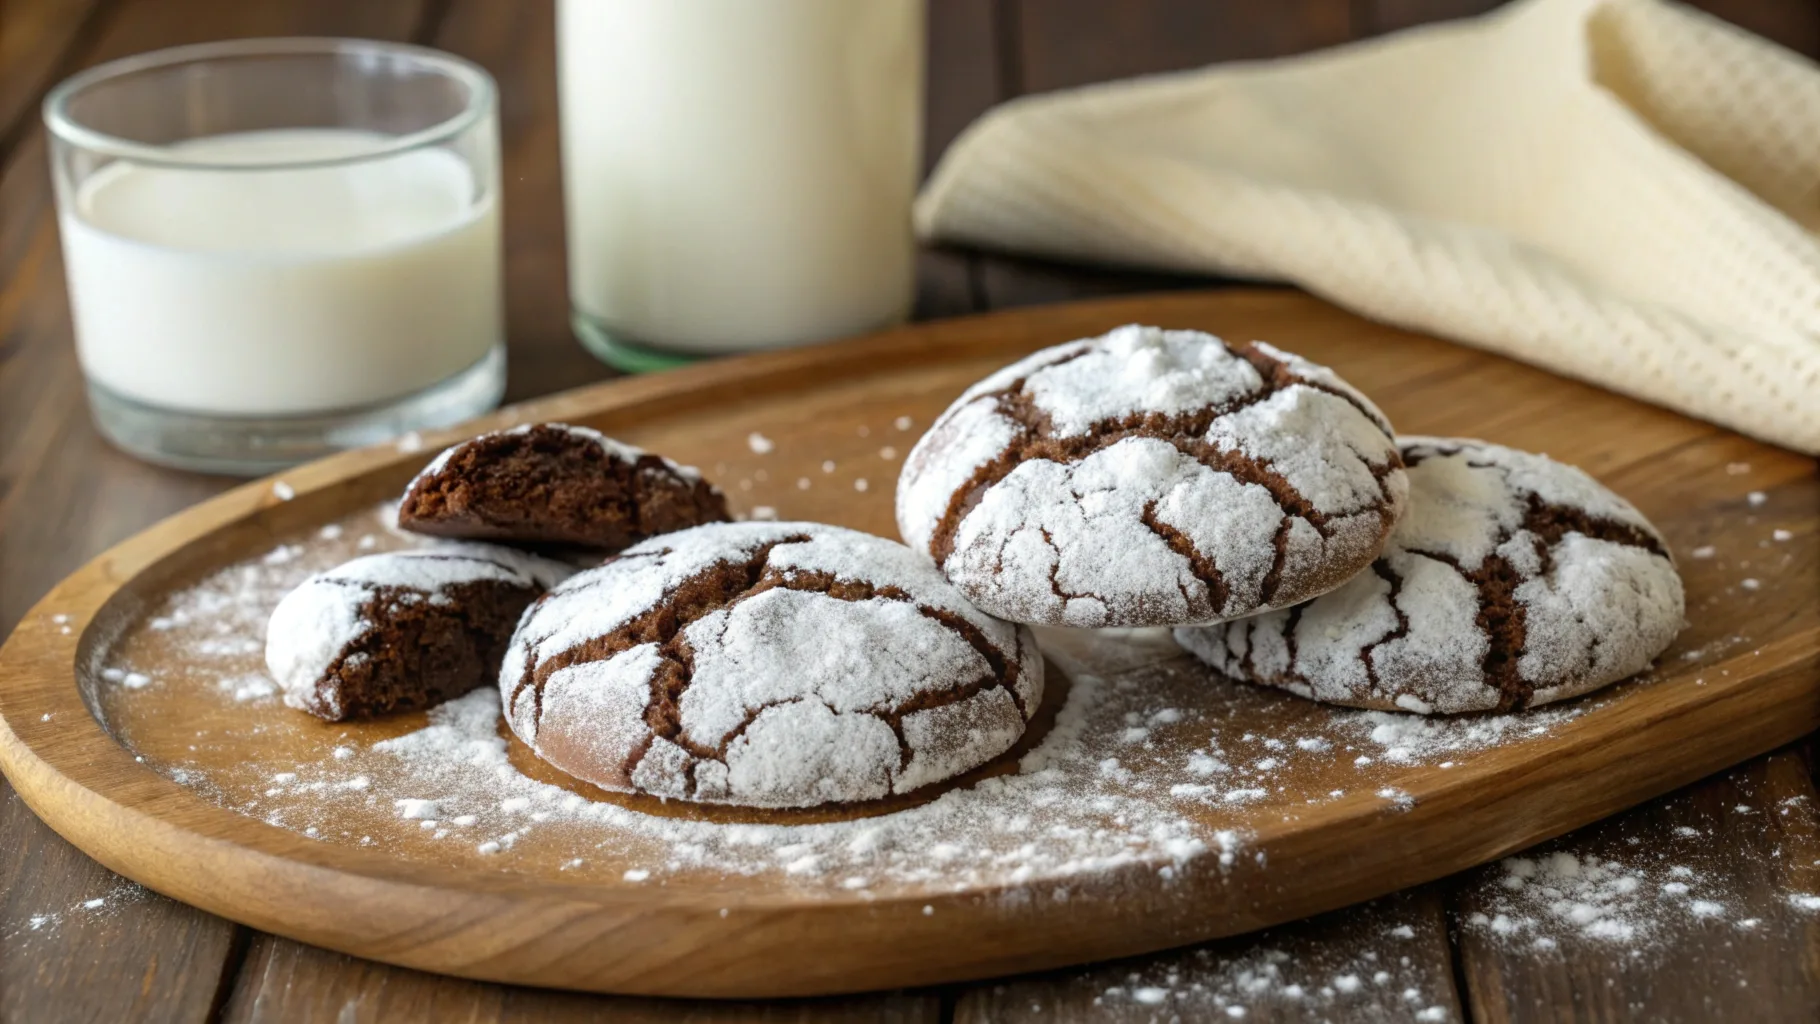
(737,174)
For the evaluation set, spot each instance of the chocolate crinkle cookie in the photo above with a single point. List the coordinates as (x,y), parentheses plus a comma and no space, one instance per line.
(1152,477)
(1512,581)
(769,665)
(400,631)
(555,484)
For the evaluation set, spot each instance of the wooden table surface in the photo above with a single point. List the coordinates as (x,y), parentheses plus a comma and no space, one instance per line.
(80,944)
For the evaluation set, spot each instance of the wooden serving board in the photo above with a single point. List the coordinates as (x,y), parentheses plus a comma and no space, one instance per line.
(1261,807)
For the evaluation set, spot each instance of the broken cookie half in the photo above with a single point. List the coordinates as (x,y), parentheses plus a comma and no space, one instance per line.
(557,485)
(401,631)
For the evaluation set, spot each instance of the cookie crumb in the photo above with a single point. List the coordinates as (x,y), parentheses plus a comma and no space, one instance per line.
(760,444)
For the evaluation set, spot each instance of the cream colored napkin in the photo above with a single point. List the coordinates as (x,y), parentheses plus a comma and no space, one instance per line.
(1623,191)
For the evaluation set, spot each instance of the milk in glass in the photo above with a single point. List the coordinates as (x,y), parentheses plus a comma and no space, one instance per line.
(738,173)
(295,289)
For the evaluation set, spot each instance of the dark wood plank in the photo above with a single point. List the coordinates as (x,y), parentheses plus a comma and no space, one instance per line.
(1008,280)
(1072,42)
(79,943)
(1384,960)
(963,81)
(64,495)
(1734,946)
(1792,23)
(285,981)
(36,40)
(1377,16)
(964,76)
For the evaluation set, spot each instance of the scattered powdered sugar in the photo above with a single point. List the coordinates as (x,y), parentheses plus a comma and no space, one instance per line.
(1101,793)
(1409,739)
(1640,892)
(1590,897)
(124,893)
(1152,768)
(1056,818)
(760,444)
(1358,965)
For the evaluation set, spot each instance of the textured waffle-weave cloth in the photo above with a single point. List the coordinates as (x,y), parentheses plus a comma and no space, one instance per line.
(1623,191)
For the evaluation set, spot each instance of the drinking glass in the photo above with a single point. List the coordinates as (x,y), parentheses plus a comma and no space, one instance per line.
(276,248)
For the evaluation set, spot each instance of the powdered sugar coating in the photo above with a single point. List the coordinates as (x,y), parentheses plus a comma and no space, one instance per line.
(1151,477)
(1511,581)
(835,667)
(315,623)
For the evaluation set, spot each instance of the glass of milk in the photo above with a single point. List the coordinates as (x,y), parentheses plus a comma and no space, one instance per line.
(737,174)
(277,248)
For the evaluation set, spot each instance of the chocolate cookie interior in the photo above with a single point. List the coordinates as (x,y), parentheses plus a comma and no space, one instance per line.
(556,485)
(419,651)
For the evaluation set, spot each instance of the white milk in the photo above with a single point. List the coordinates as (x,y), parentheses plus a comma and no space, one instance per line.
(274,292)
(737,173)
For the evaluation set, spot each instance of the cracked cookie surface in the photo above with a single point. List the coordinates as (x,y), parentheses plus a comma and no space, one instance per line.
(1151,477)
(400,631)
(768,665)
(556,484)
(1511,581)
